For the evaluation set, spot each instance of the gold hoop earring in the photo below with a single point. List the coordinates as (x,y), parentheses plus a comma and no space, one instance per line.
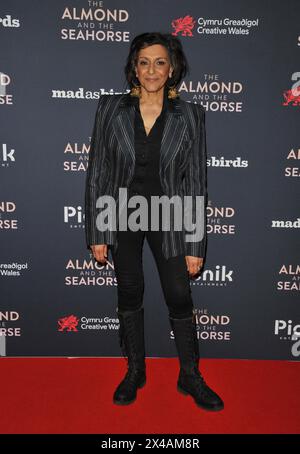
(135,90)
(172,92)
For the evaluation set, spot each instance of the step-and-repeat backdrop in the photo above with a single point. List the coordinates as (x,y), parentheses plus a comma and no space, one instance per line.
(56,58)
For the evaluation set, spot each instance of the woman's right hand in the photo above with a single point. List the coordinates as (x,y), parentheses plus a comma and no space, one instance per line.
(100,252)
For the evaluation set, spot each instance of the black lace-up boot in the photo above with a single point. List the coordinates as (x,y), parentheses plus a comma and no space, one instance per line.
(132,343)
(190,380)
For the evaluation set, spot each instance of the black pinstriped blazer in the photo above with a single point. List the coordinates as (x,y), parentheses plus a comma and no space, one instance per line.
(112,158)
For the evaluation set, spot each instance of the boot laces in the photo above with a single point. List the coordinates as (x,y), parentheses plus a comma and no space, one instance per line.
(199,382)
(131,377)
(132,356)
(201,385)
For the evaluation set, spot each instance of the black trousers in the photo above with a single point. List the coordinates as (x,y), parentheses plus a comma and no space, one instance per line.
(173,273)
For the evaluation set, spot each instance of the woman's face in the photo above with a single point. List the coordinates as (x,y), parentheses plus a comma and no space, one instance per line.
(153,67)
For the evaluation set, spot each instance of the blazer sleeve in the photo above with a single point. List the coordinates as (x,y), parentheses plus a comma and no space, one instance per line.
(195,184)
(96,176)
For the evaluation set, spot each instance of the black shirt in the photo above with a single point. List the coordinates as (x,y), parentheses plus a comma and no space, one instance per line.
(146,179)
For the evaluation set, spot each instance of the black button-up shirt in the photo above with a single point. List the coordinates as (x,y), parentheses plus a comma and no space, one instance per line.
(146,179)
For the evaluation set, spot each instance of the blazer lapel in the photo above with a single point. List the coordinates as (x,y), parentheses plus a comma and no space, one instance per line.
(173,133)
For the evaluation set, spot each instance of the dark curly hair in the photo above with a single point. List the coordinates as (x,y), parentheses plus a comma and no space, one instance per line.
(176,55)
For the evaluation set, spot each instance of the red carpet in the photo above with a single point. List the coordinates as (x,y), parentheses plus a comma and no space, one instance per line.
(60,395)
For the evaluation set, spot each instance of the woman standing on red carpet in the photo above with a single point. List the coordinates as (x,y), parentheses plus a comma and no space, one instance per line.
(152,143)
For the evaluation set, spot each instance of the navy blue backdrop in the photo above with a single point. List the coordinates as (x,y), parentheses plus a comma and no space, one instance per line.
(55,59)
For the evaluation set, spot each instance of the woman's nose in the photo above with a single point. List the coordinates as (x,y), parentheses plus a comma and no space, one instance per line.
(151,68)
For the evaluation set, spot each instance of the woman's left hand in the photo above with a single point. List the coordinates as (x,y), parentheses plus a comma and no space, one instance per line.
(194,264)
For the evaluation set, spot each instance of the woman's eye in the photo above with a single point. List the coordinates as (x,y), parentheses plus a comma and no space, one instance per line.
(159,63)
